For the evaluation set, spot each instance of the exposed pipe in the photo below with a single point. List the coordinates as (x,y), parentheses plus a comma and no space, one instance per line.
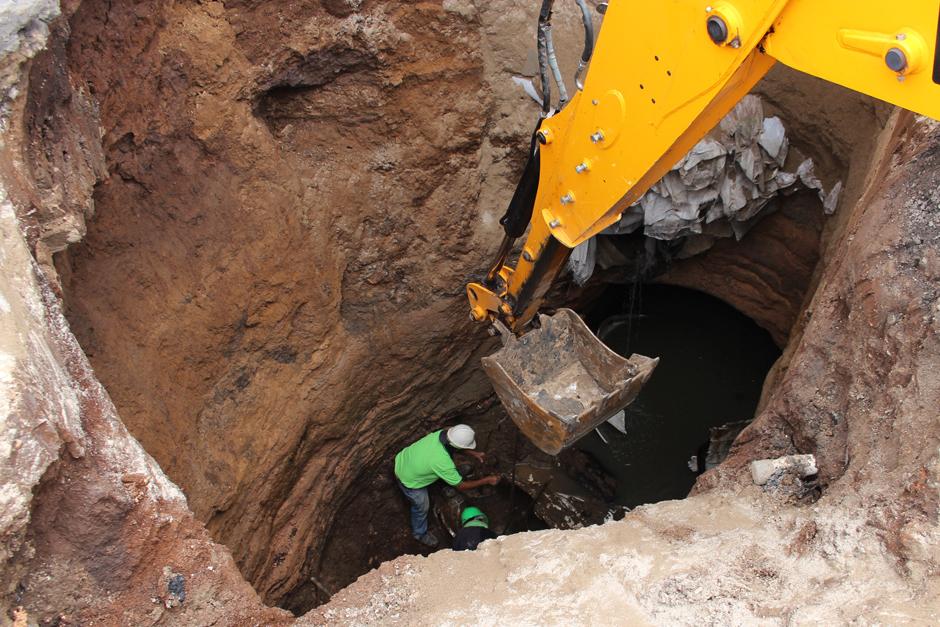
(588,43)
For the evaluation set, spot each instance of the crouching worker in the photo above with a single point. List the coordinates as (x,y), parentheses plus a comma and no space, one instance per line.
(474,529)
(427,460)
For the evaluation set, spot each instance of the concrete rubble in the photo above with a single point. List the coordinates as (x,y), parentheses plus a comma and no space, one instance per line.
(770,471)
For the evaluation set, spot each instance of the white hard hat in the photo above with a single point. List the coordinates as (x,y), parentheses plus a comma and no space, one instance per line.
(461,436)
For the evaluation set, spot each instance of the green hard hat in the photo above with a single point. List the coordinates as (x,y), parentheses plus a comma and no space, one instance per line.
(473,513)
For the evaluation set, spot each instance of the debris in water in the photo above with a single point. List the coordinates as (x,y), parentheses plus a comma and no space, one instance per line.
(569,491)
(719,445)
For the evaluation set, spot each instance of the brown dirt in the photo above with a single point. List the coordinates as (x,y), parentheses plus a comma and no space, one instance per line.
(247,299)
(855,403)
(283,202)
(272,284)
(89,522)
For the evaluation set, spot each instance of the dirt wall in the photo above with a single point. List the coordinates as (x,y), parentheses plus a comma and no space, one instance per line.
(282,204)
(860,377)
(272,283)
(91,529)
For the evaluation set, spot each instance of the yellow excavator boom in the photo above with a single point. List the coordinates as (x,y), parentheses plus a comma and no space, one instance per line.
(662,75)
(658,82)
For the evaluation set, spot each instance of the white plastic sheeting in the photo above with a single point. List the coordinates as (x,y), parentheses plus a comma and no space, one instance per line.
(717,189)
(582,259)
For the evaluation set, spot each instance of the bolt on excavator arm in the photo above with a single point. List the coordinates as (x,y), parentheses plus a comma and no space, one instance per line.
(662,75)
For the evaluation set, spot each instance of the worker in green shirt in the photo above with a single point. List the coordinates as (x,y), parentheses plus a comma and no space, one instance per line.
(474,529)
(429,459)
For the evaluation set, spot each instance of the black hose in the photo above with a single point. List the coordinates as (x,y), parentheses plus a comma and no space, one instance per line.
(519,212)
(501,256)
(588,23)
(588,31)
(544,34)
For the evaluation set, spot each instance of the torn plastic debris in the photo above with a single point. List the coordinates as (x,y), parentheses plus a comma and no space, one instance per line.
(529,88)
(713,452)
(582,261)
(728,178)
(618,421)
(773,139)
(807,174)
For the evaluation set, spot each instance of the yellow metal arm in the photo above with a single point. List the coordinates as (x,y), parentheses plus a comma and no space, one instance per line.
(884,49)
(663,74)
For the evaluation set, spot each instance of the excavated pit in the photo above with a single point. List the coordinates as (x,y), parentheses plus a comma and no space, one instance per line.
(250,319)
(714,361)
(282,207)
(665,427)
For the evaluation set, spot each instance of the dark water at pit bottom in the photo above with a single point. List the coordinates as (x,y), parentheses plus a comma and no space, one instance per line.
(713,363)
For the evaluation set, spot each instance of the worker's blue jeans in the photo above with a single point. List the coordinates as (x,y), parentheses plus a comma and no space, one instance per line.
(420,504)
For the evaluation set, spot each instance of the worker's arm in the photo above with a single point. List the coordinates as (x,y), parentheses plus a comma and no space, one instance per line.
(662,75)
(477,455)
(465,485)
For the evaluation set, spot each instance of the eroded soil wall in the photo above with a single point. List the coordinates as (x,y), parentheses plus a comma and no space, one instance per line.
(289,215)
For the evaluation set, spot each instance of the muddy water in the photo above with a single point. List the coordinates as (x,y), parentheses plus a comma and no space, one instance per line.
(714,360)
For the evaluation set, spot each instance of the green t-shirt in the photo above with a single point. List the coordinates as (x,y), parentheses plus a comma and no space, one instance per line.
(424,462)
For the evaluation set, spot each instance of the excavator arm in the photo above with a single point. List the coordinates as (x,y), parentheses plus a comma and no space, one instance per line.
(662,75)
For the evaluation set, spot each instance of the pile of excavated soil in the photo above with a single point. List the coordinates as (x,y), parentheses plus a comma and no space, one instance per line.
(703,560)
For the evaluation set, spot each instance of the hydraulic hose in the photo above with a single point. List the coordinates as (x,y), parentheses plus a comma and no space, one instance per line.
(588,43)
(544,36)
(501,256)
(556,71)
(519,212)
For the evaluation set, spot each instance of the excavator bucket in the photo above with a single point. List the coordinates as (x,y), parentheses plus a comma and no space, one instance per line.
(559,382)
